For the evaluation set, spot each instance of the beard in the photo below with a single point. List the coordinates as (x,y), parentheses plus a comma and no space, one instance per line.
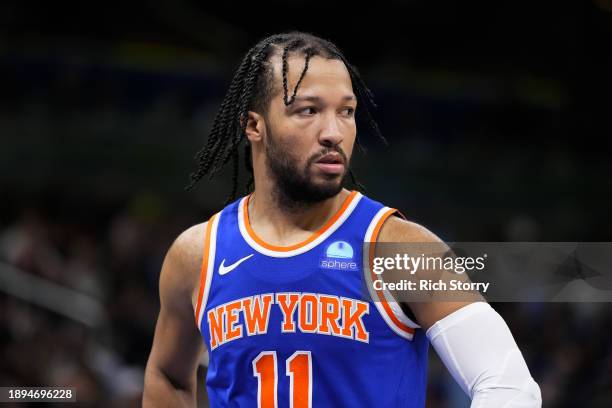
(295,187)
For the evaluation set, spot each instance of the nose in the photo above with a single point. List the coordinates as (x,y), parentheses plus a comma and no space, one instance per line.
(331,134)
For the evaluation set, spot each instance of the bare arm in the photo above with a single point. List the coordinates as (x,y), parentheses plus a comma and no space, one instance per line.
(401,231)
(170,376)
(471,338)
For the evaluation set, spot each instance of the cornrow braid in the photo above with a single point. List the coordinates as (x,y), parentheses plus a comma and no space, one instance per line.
(308,53)
(252,88)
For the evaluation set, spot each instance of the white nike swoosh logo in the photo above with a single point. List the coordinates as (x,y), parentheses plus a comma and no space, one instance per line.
(225,269)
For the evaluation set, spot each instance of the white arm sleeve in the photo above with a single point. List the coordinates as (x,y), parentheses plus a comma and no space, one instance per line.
(478,349)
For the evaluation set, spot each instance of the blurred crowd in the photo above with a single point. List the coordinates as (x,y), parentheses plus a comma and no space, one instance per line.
(116,268)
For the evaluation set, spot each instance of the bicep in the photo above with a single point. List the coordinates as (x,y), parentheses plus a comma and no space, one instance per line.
(428,313)
(427,306)
(177,344)
(176,349)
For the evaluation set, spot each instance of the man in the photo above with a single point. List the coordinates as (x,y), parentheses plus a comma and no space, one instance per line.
(275,279)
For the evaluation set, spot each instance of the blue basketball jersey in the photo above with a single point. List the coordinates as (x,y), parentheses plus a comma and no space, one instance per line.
(295,327)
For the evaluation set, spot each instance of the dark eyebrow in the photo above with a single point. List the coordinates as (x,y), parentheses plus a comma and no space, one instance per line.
(318,99)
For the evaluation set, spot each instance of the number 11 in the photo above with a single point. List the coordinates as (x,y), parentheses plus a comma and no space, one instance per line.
(298,368)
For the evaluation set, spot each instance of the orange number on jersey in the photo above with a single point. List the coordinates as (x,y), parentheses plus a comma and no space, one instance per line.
(264,368)
(298,368)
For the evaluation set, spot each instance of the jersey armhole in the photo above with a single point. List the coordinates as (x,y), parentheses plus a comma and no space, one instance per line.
(405,309)
(206,269)
(391,311)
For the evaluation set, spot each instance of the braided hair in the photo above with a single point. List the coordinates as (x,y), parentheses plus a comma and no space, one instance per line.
(252,88)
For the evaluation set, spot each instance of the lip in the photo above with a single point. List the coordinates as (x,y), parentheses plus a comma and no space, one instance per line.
(331,168)
(333,158)
(331,163)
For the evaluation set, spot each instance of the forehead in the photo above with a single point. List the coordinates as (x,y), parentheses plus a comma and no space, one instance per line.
(323,77)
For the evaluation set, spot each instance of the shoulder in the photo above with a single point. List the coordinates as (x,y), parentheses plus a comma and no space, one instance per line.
(181,269)
(188,244)
(397,229)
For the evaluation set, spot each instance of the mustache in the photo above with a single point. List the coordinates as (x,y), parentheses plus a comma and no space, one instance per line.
(323,152)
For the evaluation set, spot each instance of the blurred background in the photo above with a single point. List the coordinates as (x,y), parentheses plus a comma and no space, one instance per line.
(498,118)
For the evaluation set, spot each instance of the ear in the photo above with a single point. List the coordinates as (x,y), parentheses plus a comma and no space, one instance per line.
(255,127)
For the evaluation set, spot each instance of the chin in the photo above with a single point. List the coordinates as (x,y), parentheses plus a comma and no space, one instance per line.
(329,187)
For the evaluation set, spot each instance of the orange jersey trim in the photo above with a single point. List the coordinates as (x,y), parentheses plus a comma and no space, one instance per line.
(204,268)
(381,297)
(314,236)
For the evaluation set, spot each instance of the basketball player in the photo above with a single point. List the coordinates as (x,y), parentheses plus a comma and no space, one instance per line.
(283,322)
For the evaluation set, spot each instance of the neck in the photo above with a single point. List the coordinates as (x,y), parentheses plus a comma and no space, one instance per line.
(277,219)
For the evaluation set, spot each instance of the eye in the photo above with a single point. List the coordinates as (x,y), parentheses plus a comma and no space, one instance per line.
(349,111)
(306,109)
